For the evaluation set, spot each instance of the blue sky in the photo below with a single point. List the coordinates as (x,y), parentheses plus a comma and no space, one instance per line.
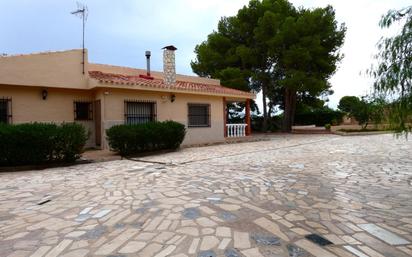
(118,32)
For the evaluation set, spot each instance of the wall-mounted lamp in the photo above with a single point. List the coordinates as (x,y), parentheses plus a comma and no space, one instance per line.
(44,94)
(172,98)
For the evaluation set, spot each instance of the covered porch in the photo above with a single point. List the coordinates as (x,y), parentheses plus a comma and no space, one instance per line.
(236,129)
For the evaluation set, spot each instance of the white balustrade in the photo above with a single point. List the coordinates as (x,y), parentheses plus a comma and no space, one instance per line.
(236,130)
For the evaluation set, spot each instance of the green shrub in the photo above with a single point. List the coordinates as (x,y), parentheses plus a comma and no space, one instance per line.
(327,126)
(274,124)
(152,136)
(319,117)
(39,143)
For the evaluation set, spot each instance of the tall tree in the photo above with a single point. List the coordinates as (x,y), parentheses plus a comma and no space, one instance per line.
(235,54)
(273,47)
(307,53)
(393,74)
(348,104)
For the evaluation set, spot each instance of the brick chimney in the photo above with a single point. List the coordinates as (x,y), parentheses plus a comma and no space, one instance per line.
(169,65)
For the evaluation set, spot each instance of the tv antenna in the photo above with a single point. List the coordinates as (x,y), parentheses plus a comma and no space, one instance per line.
(82,12)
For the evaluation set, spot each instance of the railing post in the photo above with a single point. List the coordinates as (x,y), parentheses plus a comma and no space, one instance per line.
(236,130)
(225,117)
(247,117)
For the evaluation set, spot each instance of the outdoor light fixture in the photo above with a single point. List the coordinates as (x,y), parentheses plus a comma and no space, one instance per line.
(44,94)
(172,98)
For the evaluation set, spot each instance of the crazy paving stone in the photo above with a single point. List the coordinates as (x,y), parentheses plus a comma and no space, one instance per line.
(191,213)
(232,253)
(192,231)
(254,252)
(223,232)
(194,245)
(224,243)
(208,253)
(241,240)
(95,233)
(206,222)
(132,247)
(109,247)
(150,250)
(209,242)
(101,214)
(295,251)
(166,252)
(378,245)
(265,239)
(271,227)
(56,251)
(313,249)
(355,251)
(383,234)
(76,253)
(227,216)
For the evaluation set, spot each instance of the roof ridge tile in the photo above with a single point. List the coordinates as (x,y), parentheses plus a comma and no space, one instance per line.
(122,79)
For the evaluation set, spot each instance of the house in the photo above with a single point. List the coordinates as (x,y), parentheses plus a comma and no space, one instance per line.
(64,87)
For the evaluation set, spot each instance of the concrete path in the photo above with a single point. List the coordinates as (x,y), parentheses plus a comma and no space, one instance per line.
(238,200)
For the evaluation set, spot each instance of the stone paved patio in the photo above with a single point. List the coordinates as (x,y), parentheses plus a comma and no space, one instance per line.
(240,200)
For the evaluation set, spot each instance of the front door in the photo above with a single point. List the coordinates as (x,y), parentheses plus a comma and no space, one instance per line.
(98,122)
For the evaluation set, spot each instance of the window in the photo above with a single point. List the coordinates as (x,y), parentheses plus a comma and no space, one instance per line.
(83,110)
(5,110)
(199,115)
(137,112)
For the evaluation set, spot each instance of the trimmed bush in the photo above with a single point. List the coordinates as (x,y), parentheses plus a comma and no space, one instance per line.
(274,124)
(319,117)
(40,143)
(137,138)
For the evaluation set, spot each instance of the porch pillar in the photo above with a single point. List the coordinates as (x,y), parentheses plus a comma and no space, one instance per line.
(247,118)
(224,116)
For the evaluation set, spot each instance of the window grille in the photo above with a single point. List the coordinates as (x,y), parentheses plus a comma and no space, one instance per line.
(83,110)
(5,110)
(199,115)
(138,112)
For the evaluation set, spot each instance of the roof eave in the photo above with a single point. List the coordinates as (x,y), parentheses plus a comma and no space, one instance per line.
(101,83)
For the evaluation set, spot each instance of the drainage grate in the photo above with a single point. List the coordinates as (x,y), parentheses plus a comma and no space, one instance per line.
(318,240)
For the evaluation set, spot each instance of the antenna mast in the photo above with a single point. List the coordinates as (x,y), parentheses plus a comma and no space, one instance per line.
(82,12)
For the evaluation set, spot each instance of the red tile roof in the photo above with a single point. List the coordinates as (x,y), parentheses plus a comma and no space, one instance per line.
(158,83)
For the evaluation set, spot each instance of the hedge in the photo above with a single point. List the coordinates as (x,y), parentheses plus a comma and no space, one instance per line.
(137,138)
(40,143)
(319,117)
(274,124)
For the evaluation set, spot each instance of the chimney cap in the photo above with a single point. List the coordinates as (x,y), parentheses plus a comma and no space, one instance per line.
(171,47)
(148,53)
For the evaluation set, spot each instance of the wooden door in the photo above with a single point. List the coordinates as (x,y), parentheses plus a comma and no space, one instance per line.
(98,122)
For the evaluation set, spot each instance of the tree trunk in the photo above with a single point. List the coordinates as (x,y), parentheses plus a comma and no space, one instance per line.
(265,113)
(290,108)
